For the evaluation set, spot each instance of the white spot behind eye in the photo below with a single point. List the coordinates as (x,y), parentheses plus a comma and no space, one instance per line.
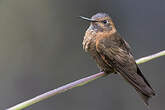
(105,21)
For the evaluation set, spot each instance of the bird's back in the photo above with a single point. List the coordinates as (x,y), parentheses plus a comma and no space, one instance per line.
(115,52)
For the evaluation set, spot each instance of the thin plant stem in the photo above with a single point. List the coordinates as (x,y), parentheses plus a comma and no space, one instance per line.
(150,57)
(74,84)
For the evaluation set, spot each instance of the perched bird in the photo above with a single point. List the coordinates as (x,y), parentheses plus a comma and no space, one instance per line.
(112,53)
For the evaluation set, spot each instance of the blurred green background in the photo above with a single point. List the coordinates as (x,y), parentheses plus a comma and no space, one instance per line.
(41,49)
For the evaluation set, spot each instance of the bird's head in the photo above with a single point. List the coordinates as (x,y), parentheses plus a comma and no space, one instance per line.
(101,22)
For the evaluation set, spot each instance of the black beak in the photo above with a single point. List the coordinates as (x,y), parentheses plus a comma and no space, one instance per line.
(88,19)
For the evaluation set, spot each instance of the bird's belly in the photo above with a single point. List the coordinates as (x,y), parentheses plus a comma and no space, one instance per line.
(100,62)
(89,46)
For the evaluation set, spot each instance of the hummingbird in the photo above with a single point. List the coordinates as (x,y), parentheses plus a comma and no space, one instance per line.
(112,53)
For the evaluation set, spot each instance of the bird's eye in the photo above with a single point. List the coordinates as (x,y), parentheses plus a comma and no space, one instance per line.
(105,21)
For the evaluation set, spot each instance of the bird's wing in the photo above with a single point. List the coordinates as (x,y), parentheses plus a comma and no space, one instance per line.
(115,52)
